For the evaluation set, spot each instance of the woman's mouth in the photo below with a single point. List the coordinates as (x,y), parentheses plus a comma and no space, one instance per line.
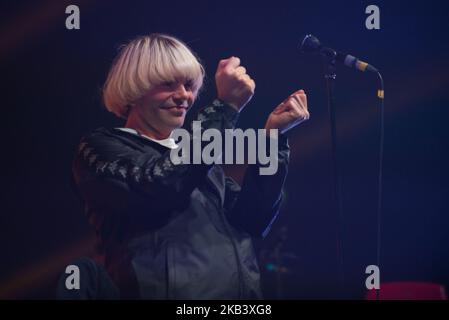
(176,110)
(176,107)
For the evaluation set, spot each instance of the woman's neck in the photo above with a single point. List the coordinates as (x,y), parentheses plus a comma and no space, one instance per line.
(146,128)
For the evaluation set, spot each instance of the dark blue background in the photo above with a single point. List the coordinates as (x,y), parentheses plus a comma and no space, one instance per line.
(51,79)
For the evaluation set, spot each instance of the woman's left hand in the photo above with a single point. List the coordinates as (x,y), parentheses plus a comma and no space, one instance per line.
(291,112)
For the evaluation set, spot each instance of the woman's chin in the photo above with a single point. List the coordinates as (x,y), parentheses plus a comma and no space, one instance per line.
(175,124)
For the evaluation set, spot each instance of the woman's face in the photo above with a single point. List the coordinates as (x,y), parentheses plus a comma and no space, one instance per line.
(165,106)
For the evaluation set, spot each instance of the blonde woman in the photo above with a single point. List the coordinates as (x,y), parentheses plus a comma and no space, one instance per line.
(177,231)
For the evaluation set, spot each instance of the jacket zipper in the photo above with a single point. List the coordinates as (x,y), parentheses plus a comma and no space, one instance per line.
(236,253)
(234,245)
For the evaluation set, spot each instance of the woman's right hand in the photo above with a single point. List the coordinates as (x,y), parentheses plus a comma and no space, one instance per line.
(234,86)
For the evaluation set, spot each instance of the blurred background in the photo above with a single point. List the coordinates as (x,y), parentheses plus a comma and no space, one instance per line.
(51,80)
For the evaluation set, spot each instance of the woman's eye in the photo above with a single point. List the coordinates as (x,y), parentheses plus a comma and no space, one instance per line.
(188,84)
(168,83)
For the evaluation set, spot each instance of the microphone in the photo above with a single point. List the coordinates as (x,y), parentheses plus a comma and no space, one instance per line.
(311,44)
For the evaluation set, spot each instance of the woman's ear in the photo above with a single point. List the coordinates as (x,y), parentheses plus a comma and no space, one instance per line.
(128,108)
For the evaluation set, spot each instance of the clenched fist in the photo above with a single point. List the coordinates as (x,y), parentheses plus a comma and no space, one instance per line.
(234,86)
(291,112)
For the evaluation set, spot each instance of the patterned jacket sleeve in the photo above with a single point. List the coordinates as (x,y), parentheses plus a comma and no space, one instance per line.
(255,206)
(110,164)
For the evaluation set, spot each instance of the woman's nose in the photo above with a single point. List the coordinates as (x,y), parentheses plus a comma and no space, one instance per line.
(181,91)
(182,96)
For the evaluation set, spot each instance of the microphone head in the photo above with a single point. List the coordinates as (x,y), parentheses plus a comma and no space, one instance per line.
(310,44)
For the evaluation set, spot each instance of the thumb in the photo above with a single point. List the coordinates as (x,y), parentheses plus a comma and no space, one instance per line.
(224,62)
(232,63)
(279,109)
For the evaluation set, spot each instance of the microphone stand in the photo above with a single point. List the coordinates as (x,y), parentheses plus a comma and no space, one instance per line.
(329,59)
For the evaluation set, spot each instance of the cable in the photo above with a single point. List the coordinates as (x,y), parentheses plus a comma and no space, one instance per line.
(380,94)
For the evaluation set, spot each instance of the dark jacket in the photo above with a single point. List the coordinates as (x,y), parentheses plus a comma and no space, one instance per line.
(176,231)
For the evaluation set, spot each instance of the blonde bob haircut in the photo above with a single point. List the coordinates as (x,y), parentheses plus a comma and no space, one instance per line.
(145,62)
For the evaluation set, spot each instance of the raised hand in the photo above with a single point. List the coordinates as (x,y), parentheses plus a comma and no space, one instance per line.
(234,86)
(291,112)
